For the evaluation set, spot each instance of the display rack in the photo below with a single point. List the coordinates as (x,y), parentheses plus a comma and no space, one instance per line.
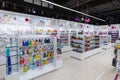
(105,41)
(45,26)
(64,38)
(114,35)
(85,46)
(12,54)
(37,54)
(63,31)
(73,28)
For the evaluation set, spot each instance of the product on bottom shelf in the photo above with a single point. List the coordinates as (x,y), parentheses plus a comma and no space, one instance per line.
(35,52)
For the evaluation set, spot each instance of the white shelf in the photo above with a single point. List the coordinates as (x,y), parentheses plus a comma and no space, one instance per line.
(87,54)
(108,46)
(35,73)
(66,48)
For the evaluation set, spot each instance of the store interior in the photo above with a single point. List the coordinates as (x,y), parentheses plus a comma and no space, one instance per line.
(39,43)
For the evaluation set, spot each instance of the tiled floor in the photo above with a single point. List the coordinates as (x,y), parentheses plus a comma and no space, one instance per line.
(97,67)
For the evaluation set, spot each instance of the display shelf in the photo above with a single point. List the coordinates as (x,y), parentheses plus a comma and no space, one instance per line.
(30,75)
(73,38)
(64,38)
(37,54)
(83,49)
(84,55)
(105,41)
(114,35)
(12,54)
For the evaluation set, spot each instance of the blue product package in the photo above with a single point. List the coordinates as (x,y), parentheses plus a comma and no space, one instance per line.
(32,66)
(8,61)
(7,52)
(25,43)
(9,70)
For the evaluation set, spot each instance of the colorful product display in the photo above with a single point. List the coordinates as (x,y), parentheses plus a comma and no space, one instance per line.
(35,53)
(12,54)
(85,43)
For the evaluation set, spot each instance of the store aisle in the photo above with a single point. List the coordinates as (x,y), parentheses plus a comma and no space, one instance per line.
(97,67)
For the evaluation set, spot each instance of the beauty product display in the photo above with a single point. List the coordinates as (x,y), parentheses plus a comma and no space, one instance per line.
(12,54)
(64,36)
(35,52)
(105,39)
(114,35)
(85,43)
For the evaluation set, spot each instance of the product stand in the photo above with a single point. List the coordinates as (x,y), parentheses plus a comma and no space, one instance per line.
(73,31)
(13,73)
(105,41)
(86,46)
(12,54)
(24,25)
(41,63)
(114,32)
(63,34)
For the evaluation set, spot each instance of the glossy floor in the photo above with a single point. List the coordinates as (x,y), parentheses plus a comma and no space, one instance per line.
(97,67)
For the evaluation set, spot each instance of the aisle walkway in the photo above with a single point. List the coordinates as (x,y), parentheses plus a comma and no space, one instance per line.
(97,67)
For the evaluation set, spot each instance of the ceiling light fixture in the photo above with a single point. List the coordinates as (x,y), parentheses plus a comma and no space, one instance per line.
(73,10)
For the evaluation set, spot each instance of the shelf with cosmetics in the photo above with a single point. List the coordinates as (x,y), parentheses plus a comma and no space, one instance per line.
(114,35)
(83,46)
(63,33)
(36,54)
(12,54)
(45,26)
(85,43)
(73,36)
(105,41)
(64,38)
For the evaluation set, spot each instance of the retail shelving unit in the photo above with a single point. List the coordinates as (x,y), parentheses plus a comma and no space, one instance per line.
(63,31)
(73,31)
(12,54)
(24,26)
(64,38)
(45,26)
(105,41)
(37,54)
(114,35)
(85,46)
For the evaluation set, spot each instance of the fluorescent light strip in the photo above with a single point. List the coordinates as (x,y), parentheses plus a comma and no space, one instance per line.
(73,10)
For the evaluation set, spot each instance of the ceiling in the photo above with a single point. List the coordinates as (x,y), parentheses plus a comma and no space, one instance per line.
(108,10)
(105,9)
